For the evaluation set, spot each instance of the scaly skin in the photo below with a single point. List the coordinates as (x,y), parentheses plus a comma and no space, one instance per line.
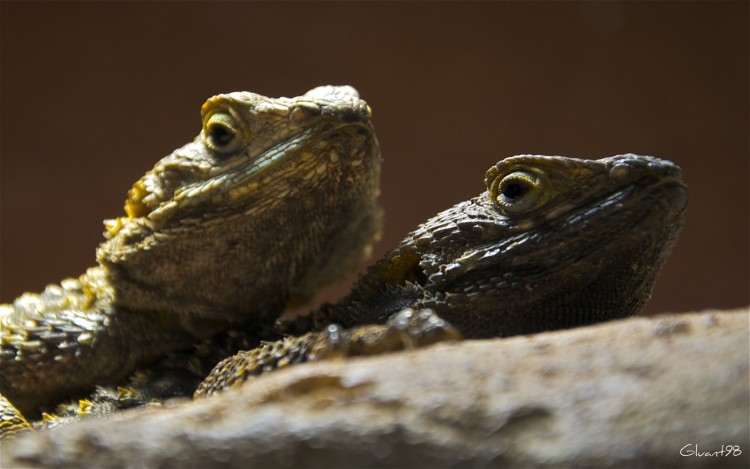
(553,243)
(273,199)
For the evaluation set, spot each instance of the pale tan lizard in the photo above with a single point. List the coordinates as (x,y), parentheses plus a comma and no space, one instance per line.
(273,199)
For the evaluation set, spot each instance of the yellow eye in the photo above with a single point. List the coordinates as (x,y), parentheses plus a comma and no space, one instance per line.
(222,133)
(517,192)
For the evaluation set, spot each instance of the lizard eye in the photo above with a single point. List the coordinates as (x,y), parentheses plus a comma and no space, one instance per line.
(221,133)
(517,192)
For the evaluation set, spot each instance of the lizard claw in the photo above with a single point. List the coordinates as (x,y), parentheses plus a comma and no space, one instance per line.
(408,328)
(418,328)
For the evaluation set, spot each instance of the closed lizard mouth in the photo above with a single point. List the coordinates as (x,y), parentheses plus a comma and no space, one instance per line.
(644,212)
(307,153)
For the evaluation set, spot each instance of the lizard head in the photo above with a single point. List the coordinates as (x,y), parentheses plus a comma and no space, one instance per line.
(554,242)
(272,198)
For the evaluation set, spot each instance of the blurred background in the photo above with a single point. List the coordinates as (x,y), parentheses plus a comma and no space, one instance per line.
(94,93)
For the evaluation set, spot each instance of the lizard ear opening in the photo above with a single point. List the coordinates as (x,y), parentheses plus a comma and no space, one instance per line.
(420,278)
(396,269)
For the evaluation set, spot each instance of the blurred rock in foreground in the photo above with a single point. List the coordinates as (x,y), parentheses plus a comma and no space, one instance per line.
(632,393)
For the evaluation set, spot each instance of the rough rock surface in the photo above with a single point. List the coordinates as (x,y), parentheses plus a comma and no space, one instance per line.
(631,393)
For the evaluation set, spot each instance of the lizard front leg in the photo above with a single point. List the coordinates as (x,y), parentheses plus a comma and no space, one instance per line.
(406,329)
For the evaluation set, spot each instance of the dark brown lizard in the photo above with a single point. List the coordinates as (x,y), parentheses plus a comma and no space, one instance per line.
(273,199)
(553,243)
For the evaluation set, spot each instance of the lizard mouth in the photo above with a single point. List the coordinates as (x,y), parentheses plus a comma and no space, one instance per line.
(641,214)
(642,210)
(285,170)
(280,171)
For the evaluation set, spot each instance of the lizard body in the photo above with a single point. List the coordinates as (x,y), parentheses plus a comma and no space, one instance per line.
(553,243)
(273,199)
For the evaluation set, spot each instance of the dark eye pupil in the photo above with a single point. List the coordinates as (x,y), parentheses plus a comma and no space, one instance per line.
(220,135)
(514,190)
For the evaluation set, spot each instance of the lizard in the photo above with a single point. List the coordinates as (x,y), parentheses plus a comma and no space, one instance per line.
(273,199)
(552,243)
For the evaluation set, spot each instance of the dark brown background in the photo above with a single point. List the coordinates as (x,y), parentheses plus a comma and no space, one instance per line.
(94,93)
